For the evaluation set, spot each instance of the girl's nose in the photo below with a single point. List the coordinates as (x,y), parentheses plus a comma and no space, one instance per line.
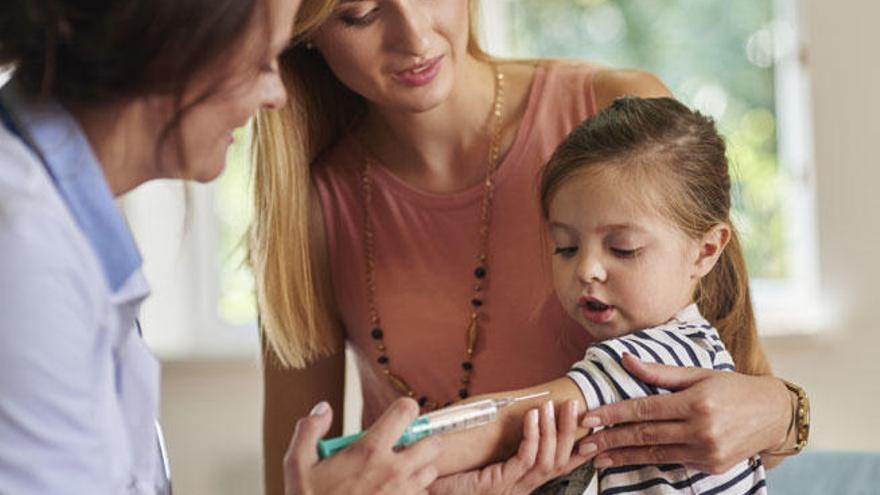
(590,269)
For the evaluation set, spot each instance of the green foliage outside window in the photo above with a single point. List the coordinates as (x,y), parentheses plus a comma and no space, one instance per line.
(715,55)
(234,210)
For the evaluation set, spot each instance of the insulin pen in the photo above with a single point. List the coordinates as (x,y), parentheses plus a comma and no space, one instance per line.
(453,418)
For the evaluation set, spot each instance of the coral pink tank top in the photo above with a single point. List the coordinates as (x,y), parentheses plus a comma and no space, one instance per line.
(425,245)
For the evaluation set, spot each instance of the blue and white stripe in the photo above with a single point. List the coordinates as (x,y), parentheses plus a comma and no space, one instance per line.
(686,340)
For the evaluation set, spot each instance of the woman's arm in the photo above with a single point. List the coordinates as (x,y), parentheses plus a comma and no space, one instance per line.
(289,394)
(713,421)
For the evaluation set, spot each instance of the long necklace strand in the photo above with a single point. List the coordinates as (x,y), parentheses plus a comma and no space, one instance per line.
(480,273)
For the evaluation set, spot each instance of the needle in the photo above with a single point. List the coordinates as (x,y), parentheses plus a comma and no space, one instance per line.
(510,400)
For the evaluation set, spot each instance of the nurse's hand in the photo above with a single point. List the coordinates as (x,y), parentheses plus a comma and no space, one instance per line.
(368,466)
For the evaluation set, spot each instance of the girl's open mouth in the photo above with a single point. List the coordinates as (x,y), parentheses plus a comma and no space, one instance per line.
(595,310)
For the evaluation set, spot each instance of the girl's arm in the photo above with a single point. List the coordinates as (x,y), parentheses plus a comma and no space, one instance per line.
(715,420)
(499,440)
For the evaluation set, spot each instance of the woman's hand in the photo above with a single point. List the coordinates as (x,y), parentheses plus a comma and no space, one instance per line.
(368,466)
(715,420)
(544,453)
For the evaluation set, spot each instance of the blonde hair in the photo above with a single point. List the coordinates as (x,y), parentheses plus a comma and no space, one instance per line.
(681,153)
(294,293)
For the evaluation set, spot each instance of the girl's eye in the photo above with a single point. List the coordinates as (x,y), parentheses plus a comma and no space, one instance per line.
(565,251)
(359,20)
(626,253)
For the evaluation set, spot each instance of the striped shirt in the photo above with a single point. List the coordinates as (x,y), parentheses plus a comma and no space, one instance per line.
(686,340)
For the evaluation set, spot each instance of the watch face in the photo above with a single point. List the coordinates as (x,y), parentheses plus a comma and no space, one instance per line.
(802,417)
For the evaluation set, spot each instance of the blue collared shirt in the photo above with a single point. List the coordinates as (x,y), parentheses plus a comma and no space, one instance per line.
(78,388)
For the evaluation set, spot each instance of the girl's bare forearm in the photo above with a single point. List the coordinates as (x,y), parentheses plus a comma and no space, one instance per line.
(499,440)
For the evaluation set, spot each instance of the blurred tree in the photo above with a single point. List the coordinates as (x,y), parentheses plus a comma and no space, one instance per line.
(236,304)
(715,55)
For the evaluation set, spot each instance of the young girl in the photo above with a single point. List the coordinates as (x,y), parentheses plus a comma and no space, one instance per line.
(646,260)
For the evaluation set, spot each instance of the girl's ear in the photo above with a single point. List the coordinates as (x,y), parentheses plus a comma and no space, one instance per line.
(712,245)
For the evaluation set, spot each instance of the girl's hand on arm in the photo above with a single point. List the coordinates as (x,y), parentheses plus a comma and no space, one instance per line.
(714,420)
(369,466)
(545,452)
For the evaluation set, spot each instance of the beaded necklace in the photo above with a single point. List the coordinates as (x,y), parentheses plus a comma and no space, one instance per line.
(476,304)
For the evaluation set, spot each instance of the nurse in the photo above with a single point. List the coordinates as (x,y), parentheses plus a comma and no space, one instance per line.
(105,96)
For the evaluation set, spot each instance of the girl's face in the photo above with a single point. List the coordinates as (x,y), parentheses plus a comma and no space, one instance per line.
(401,55)
(248,81)
(618,265)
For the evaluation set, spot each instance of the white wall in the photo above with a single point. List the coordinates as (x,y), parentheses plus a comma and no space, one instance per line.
(211,410)
(211,413)
(840,368)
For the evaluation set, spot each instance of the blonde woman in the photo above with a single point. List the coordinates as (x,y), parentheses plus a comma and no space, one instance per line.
(396,214)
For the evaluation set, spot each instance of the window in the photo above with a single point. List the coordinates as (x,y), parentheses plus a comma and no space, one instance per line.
(192,239)
(235,304)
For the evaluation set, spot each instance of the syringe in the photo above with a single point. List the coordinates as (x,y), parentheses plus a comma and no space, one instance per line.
(453,418)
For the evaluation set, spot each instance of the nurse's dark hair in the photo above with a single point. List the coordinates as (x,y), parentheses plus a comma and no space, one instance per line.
(94,52)
(676,157)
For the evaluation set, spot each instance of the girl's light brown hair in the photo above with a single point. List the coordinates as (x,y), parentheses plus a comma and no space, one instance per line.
(294,293)
(681,153)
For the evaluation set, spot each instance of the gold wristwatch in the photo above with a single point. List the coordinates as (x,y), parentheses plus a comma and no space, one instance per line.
(800,420)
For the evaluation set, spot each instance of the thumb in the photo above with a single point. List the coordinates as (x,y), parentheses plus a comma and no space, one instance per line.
(385,432)
(661,375)
(302,451)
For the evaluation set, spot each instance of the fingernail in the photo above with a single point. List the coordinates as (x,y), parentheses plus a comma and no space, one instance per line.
(587,448)
(532,417)
(320,409)
(602,462)
(591,422)
(573,407)
(551,411)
